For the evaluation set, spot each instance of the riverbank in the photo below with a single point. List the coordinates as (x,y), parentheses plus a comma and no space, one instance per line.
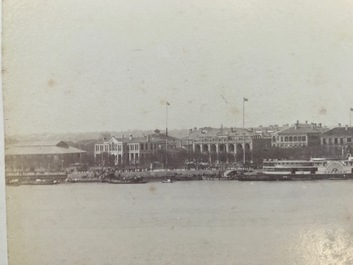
(159,176)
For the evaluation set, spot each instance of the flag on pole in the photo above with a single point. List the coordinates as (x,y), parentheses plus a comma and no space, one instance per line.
(245,99)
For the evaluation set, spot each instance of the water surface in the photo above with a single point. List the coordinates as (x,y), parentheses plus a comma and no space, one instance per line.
(201,222)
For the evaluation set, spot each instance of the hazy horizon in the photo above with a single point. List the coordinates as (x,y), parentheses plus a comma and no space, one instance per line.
(74,66)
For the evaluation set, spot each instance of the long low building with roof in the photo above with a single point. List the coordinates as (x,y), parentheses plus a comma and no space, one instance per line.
(53,155)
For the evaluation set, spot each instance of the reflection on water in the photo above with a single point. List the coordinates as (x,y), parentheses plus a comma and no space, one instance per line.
(208,222)
(326,245)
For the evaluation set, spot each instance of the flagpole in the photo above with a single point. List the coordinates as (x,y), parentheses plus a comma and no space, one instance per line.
(166,136)
(244,132)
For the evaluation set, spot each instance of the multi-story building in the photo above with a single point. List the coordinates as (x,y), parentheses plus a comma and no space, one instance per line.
(134,150)
(339,137)
(227,144)
(299,135)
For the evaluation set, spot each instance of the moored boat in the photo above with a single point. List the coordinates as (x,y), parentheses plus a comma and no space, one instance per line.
(315,169)
(168,181)
(133,180)
(125,182)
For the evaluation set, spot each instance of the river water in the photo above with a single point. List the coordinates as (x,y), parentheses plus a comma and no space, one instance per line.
(205,222)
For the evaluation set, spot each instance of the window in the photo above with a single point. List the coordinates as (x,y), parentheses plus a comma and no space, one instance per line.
(304,138)
(286,139)
(295,138)
(141,146)
(290,138)
(281,138)
(341,140)
(336,141)
(323,140)
(349,140)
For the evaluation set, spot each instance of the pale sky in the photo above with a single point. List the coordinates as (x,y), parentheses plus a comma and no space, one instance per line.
(79,65)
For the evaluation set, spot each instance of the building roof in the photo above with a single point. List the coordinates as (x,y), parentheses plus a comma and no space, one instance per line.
(233,132)
(157,137)
(42,148)
(302,129)
(150,138)
(339,132)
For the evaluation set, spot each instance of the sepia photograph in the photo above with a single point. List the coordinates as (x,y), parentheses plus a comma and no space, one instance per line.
(177,132)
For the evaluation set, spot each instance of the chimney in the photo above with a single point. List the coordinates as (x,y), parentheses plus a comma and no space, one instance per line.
(190,131)
(130,136)
(306,122)
(123,136)
(320,124)
(346,127)
(339,125)
(297,122)
(296,126)
(149,138)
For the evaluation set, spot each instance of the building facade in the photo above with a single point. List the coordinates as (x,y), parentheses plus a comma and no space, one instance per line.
(134,150)
(299,135)
(339,137)
(227,145)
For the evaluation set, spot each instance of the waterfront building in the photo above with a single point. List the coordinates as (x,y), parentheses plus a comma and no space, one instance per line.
(339,137)
(45,156)
(135,150)
(299,135)
(227,145)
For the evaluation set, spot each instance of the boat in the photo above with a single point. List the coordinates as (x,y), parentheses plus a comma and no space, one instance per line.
(299,170)
(134,180)
(168,181)
(125,182)
(40,182)
(289,167)
(81,180)
(13,182)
